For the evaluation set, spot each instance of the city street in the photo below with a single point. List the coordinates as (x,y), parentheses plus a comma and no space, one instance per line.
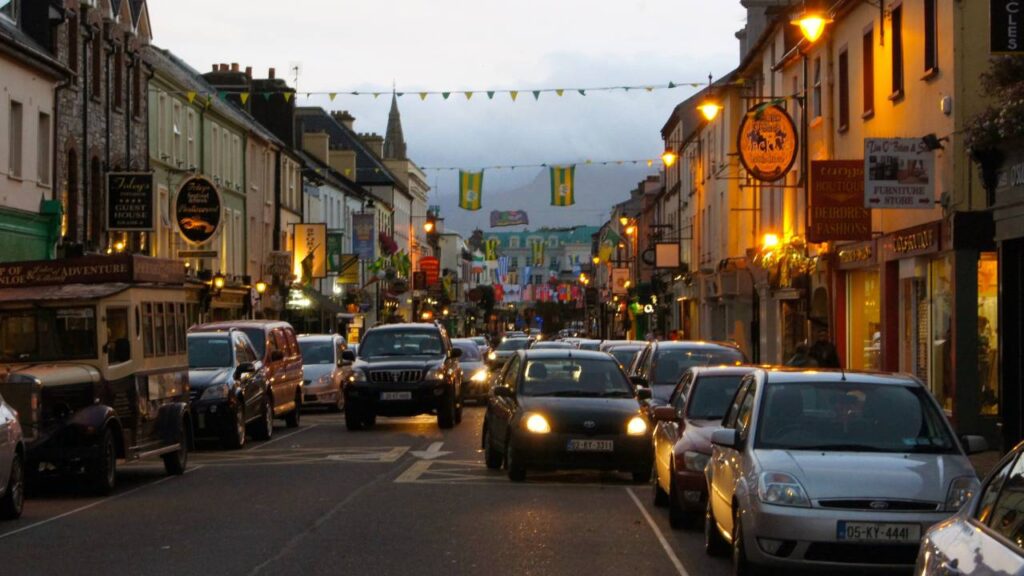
(403,498)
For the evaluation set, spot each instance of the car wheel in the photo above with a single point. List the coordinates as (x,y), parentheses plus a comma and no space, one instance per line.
(353,417)
(514,465)
(102,471)
(458,410)
(491,456)
(714,544)
(741,566)
(369,419)
(13,500)
(642,476)
(263,429)
(234,439)
(176,462)
(677,517)
(292,419)
(446,412)
(660,496)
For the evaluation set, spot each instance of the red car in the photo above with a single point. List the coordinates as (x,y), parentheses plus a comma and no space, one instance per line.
(682,438)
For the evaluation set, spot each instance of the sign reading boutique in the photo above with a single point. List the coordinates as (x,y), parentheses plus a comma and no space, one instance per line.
(197,210)
(837,202)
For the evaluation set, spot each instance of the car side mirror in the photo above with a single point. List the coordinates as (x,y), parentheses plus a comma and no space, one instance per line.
(665,414)
(503,392)
(244,368)
(638,381)
(643,394)
(726,437)
(276,356)
(974,444)
(456,353)
(348,356)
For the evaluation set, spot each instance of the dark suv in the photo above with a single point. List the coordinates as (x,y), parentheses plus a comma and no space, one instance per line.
(404,370)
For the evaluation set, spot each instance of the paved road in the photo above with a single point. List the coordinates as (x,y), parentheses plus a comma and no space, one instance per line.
(401,499)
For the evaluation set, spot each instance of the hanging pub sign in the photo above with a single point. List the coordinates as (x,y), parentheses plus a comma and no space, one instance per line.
(309,259)
(837,202)
(364,236)
(899,173)
(197,210)
(130,201)
(431,266)
(1005,22)
(767,143)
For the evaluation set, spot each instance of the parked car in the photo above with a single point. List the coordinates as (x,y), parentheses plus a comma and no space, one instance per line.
(325,371)
(661,364)
(986,537)
(588,344)
(476,381)
(404,370)
(559,409)
(682,438)
(228,388)
(832,470)
(12,464)
(277,348)
(496,358)
(554,345)
(625,353)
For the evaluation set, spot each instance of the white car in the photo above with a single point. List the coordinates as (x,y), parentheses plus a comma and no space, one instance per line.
(832,470)
(12,463)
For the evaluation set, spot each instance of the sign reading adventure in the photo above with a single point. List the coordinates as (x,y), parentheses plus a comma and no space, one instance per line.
(130,201)
(91,270)
(837,202)
(197,210)
(1005,21)
(767,143)
(899,173)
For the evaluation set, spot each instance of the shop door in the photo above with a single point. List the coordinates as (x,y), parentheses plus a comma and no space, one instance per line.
(794,327)
(914,324)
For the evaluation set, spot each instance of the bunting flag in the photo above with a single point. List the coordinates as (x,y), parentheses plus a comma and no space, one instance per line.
(244,96)
(288,96)
(563,179)
(537,248)
(471,187)
(513,94)
(191,97)
(332,96)
(491,250)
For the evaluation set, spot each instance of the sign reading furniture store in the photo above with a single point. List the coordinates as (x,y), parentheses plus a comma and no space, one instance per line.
(1005,19)
(197,210)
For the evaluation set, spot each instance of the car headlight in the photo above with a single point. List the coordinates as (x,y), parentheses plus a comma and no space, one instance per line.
(325,380)
(960,492)
(637,426)
(480,376)
(781,489)
(492,356)
(435,374)
(357,376)
(537,424)
(215,392)
(695,461)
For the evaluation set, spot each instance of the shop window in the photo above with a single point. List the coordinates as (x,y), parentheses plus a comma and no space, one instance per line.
(864,336)
(941,349)
(988,330)
(147,329)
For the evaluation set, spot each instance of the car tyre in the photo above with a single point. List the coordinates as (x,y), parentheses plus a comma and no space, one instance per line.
(677,517)
(176,462)
(458,410)
(446,412)
(293,418)
(234,439)
(660,496)
(741,565)
(102,471)
(491,456)
(714,544)
(263,428)
(353,417)
(514,465)
(13,501)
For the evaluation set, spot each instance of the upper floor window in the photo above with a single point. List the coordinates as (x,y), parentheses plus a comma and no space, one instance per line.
(10,8)
(817,87)
(73,46)
(844,90)
(931,38)
(118,87)
(97,64)
(868,73)
(897,52)
(513,242)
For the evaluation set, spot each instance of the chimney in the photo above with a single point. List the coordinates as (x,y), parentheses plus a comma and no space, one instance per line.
(224,67)
(216,67)
(344,162)
(234,67)
(248,72)
(317,144)
(344,118)
(272,74)
(374,142)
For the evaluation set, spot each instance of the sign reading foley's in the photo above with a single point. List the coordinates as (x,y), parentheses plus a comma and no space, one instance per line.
(1006,26)
(197,210)
(130,201)
(767,143)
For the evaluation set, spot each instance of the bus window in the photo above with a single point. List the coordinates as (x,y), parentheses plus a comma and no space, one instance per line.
(147,329)
(159,330)
(118,347)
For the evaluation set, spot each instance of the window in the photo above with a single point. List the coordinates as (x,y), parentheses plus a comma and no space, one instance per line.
(990,493)
(159,330)
(897,52)
(513,242)
(137,87)
(817,87)
(147,329)
(43,153)
(1007,515)
(97,64)
(15,140)
(931,40)
(118,78)
(190,142)
(515,262)
(117,345)
(177,152)
(868,73)
(844,90)
(9,8)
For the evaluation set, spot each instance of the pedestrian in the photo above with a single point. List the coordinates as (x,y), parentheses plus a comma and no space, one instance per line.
(824,352)
(802,357)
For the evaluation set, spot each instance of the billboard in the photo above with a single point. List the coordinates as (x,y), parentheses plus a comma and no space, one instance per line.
(837,202)
(364,236)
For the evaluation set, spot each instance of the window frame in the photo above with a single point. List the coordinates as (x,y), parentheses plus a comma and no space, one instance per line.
(868,73)
(897,52)
(1008,465)
(931,39)
(15,139)
(843,86)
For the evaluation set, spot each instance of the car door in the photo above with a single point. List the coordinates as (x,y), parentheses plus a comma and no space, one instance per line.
(503,409)
(997,547)
(666,433)
(249,382)
(293,356)
(723,476)
(277,372)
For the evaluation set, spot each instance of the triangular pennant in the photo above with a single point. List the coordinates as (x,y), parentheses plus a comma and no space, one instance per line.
(308,95)
(589,162)
(288,96)
(399,94)
(348,171)
(332,96)
(582,92)
(191,96)
(626,88)
(536,94)
(650,163)
(490,94)
(209,100)
(376,94)
(423,95)
(469,95)
(266,95)
(222,95)
(559,91)
(445,95)
(514,94)
(244,96)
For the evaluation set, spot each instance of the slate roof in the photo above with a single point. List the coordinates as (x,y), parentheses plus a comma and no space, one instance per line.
(332,176)
(14,39)
(370,169)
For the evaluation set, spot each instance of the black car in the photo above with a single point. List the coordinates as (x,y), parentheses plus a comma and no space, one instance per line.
(497,357)
(661,364)
(566,409)
(476,378)
(404,370)
(228,388)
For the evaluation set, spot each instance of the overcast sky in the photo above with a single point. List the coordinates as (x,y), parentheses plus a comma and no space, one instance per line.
(366,45)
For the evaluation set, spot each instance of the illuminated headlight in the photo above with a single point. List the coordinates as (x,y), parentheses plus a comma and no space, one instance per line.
(480,376)
(492,356)
(637,426)
(695,461)
(960,492)
(357,376)
(325,380)
(215,392)
(537,424)
(781,489)
(435,374)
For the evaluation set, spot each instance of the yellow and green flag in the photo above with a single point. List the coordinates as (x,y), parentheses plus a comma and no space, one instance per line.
(471,187)
(563,180)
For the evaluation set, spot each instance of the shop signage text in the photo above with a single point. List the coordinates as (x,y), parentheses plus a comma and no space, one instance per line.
(916,241)
(279,263)
(1005,20)
(91,270)
(856,254)
(130,201)
(899,173)
(197,210)
(767,143)
(837,202)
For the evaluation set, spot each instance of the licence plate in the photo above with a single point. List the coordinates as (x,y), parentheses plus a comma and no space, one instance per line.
(396,395)
(591,446)
(877,532)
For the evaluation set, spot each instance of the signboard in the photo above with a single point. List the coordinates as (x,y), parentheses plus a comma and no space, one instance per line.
(666,255)
(364,236)
(197,210)
(767,143)
(620,279)
(837,202)
(431,266)
(501,218)
(334,247)
(197,253)
(899,173)
(279,263)
(916,241)
(310,260)
(130,201)
(1005,21)
(349,273)
(91,270)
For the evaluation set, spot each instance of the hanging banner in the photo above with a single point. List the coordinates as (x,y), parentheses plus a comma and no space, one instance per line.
(364,237)
(537,247)
(899,173)
(767,143)
(431,266)
(130,201)
(563,182)
(1005,22)
(837,202)
(620,280)
(491,249)
(471,185)
(509,218)
(334,247)
(349,272)
(310,254)
(197,210)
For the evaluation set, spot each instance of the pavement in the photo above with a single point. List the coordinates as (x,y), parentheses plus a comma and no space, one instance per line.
(403,498)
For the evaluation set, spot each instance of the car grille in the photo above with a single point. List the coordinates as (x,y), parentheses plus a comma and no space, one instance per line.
(60,401)
(880,505)
(395,376)
(905,554)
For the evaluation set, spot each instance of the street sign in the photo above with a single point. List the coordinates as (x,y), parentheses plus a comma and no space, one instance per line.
(667,255)
(130,201)
(431,266)
(197,210)
(1006,30)
(898,173)
(767,142)
(837,202)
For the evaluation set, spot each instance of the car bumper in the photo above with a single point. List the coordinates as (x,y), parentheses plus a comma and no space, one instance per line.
(551,452)
(691,490)
(320,397)
(424,397)
(810,538)
(213,418)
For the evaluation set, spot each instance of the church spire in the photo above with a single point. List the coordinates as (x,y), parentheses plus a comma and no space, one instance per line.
(394,141)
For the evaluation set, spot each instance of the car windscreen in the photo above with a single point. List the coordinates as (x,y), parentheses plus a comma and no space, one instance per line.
(574,377)
(514,344)
(552,346)
(711,396)
(259,340)
(592,345)
(317,352)
(48,334)
(209,352)
(671,362)
(470,351)
(851,417)
(624,356)
(383,343)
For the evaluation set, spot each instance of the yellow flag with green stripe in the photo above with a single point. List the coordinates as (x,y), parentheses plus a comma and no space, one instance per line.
(563,185)
(471,187)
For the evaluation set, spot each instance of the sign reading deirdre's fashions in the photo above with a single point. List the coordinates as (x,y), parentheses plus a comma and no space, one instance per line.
(899,173)
(837,202)
(1006,29)
(767,143)
(130,201)
(197,210)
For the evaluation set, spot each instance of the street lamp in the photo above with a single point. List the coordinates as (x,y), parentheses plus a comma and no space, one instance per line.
(219,281)
(261,287)
(711,106)
(812,21)
(669,157)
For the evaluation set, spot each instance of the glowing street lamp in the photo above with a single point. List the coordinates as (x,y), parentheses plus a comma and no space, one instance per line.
(631,230)
(596,260)
(219,281)
(261,287)
(669,157)
(624,220)
(709,109)
(770,241)
(812,22)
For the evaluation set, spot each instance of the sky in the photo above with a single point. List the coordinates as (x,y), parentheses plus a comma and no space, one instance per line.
(480,45)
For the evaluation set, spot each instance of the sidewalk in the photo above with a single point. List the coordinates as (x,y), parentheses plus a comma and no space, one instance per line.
(984,462)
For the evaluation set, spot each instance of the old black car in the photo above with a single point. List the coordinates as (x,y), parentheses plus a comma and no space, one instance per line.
(560,409)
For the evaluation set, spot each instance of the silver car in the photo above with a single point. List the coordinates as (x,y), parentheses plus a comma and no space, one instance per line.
(987,535)
(831,470)
(324,369)
(12,463)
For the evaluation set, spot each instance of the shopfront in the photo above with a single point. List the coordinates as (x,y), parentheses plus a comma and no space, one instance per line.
(858,317)
(1008,216)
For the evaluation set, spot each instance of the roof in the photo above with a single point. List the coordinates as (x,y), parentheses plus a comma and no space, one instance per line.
(370,168)
(16,41)
(569,235)
(723,370)
(61,292)
(790,375)
(694,345)
(566,353)
(420,326)
(228,324)
(317,337)
(331,175)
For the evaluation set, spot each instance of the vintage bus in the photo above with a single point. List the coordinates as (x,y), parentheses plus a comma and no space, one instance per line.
(93,358)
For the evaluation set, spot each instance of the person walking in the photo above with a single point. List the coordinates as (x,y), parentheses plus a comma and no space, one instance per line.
(824,352)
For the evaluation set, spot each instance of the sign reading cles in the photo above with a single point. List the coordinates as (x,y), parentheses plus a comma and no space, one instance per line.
(1007,32)
(197,210)
(767,143)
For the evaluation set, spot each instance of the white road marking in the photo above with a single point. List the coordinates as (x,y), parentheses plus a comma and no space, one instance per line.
(434,451)
(375,457)
(92,505)
(286,436)
(657,532)
(414,472)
